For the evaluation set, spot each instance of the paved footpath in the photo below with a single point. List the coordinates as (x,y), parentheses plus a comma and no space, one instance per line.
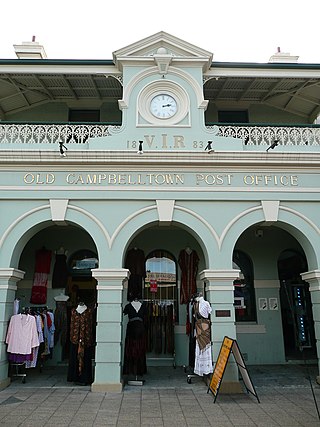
(285,395)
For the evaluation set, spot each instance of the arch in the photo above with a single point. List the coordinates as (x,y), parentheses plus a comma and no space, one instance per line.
(29,223)
(185,218)
(298,225)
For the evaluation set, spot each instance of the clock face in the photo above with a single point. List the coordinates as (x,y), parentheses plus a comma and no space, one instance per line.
(163,106)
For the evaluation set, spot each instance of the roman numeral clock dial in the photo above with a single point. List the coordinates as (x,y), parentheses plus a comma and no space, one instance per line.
(163,106)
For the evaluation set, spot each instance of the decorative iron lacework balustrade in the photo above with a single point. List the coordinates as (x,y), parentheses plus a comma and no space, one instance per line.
(266,135)
(80,133)
(50,133)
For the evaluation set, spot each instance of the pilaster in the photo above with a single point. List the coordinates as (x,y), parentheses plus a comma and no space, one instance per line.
(8,286)
(313,278)
(220,294)
(109,329)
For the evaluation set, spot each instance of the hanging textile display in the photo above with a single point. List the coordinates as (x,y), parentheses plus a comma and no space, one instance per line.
(40,281)
(22,337)
(135,263)
(191,330)
(188,262)
(60,270)
(160,327)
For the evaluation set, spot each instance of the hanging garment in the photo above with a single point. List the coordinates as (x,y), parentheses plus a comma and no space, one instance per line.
(160,327)
(188,262)
(40,281)
(135,262)
(135,342)
(22,334)
(60,272)
(135,283)
(80,360)
(61,322)
(190,331)
(35,350)
(203,355)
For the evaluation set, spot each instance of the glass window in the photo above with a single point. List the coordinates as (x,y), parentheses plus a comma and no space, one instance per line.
(161,278)
(244,295)
(82,262)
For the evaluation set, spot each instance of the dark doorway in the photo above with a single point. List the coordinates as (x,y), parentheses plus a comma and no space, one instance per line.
(296,307)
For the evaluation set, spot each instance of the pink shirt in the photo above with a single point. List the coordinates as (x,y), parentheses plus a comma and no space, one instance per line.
(22,334)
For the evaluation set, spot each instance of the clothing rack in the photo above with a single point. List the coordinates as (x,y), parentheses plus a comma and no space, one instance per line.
(17,366)
(39,357)
(160,330)
(192,338)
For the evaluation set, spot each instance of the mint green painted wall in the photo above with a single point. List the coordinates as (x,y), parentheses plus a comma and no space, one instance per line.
(142,230)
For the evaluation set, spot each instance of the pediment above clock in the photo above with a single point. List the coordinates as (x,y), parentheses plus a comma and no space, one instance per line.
(165,44)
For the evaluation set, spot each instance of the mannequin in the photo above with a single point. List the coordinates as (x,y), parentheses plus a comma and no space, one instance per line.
(61,297)
(61,321)
(81,338)
(203,355)
(81,307)
(136,304)
(135,343)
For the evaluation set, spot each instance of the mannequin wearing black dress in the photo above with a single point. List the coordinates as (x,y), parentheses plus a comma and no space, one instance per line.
(135,343)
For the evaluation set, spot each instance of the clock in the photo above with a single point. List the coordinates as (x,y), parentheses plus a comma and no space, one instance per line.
(163,106)
(163,103)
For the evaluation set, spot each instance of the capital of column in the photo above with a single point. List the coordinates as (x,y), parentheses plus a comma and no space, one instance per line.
(221,275)
(9,277)
(222,278)
(313,278)
(112,277)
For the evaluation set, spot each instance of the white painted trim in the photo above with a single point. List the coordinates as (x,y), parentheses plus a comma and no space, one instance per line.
(110,274)
(153,188)
(11,274)
(220,288)
(109,288)
(9,287)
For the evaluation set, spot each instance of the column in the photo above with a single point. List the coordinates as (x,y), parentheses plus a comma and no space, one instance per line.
(313,278)
(220,294)
(109,329)
(8,286)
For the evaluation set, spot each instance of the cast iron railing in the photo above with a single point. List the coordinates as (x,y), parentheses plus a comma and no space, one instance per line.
(254,135)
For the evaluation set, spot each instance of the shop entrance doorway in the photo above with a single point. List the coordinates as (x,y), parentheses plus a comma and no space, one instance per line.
(296,308)
(71,255)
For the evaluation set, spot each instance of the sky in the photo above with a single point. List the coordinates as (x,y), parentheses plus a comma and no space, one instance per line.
(233,30)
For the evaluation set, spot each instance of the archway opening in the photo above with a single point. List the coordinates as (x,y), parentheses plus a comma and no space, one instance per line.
(154,257)
(272,258)
(57,262)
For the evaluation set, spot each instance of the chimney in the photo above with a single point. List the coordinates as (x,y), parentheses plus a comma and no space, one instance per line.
(30,50)
(283,57)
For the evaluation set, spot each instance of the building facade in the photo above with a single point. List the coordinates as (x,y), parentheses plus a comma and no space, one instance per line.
(161,149)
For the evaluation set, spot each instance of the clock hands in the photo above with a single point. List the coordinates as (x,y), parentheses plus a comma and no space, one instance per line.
(167,105)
